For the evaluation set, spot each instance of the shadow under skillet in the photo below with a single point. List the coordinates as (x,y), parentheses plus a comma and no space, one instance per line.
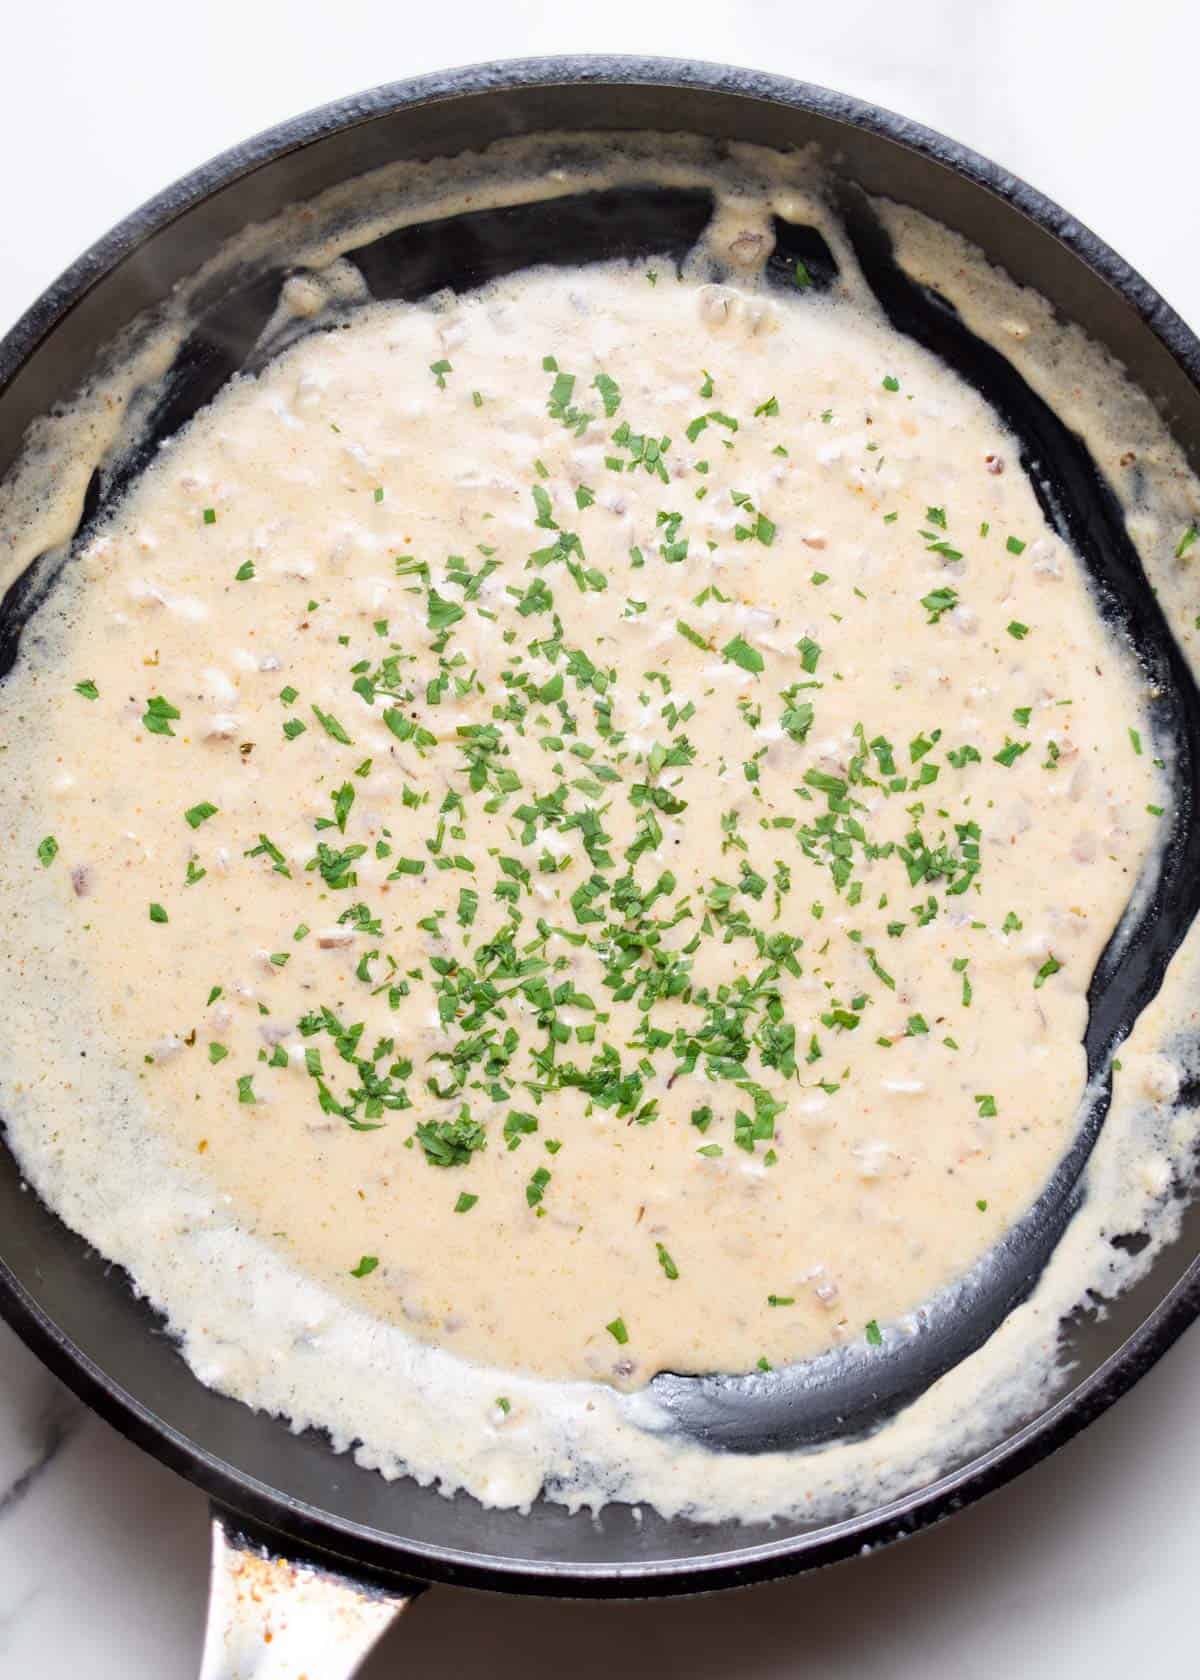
(845,1393)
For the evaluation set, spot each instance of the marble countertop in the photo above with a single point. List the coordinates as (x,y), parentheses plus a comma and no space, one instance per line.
(1084,1566)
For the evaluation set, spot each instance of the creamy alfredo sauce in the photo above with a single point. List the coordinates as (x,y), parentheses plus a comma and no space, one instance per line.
(583,816)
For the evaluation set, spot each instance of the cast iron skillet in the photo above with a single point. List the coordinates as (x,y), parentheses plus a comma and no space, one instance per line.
(80,1315)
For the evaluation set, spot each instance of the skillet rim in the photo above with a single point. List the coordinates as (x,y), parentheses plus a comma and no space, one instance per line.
(318,1532)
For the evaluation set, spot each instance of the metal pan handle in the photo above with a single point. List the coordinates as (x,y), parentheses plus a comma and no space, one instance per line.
(273,1616)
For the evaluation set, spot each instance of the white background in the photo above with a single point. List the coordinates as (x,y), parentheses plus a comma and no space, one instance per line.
(1083,1568)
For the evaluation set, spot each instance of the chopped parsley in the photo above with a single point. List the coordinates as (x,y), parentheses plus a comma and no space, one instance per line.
(939,601)
(739,652)
(450,1143)
(330,725)
(159,715)
(536,1188)
(1010,752)
(668,1265)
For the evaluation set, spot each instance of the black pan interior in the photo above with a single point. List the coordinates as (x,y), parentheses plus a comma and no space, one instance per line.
(77,1309)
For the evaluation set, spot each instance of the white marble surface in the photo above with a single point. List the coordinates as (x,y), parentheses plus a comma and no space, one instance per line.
(1083,1567)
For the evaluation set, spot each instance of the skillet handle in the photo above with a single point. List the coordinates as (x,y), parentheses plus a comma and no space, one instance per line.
(275,1617)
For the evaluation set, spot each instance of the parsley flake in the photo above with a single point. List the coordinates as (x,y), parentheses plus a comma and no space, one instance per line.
(158,716)
(740,653)
(670,1269)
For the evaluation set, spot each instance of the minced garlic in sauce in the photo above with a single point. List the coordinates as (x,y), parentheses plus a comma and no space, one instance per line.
(583,815)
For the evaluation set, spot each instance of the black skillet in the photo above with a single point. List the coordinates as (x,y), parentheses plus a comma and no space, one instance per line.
(290,1491)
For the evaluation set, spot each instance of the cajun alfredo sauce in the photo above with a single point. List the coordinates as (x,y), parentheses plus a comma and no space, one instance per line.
(587,812)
